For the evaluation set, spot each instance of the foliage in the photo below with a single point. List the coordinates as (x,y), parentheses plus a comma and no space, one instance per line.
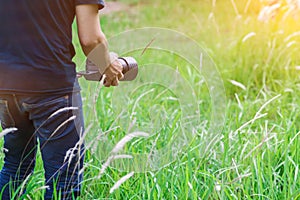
(258,155)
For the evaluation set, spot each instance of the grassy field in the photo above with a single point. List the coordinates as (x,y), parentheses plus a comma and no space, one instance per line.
(255,156)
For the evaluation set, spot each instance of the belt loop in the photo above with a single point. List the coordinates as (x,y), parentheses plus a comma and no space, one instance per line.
(16,102)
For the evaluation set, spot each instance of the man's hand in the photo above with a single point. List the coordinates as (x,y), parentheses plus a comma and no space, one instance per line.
(113,72)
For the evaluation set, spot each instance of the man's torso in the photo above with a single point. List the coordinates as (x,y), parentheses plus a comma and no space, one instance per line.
(36,48)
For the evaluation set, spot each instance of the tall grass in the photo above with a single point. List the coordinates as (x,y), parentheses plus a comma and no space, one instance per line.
(257,156)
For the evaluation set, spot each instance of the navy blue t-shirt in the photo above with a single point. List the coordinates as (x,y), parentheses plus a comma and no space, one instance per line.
(36,48)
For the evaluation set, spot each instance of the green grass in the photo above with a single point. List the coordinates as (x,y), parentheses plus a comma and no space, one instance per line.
(254,157)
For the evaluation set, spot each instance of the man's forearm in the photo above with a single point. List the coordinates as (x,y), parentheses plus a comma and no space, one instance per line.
(90,44)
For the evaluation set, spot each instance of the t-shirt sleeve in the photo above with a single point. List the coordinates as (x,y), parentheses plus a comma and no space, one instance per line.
(100,3)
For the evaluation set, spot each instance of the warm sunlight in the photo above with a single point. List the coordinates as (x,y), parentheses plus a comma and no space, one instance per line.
(279,9)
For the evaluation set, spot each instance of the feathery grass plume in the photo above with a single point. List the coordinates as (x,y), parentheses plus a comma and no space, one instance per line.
(42,188)
(64,123)
(235,8)
(128,138)
(82,136)
(110,159)
(236,167)
(291,44)
(289,37)
(153,147)
(249,35)
(59,127)
(247,6)
(218,187)
(92,145)
(266,139)
(268,12)
(22,187)
(72,152)
(85,166)
(69,152)
(249,122)
(120,182)
(140,97)
(296,166)
(62,110)
(279,8)
(294,138)
(238,84)
(190,185)
(239,178)
(132,123)
(214,3)
(120,145)
(267,103)
(94,99)
(28,196)
(76,151)
(6,131)
(239,101)
(258,114)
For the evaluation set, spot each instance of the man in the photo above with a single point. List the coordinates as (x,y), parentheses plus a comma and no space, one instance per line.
(39,92)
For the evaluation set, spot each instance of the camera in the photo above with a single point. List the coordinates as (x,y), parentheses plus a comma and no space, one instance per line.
(129,64)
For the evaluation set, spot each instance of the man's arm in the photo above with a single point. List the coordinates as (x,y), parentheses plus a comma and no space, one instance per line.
(92,38)
(89,29)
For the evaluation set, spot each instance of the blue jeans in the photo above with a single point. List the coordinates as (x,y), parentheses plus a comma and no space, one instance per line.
(59,138)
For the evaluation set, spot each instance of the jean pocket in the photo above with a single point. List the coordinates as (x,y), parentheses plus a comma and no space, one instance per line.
(6,118)
(48,116)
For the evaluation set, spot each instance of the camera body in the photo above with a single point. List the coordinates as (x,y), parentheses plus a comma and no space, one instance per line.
(129,64)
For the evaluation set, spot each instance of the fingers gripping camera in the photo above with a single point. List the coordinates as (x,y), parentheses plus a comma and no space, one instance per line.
(99,59)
